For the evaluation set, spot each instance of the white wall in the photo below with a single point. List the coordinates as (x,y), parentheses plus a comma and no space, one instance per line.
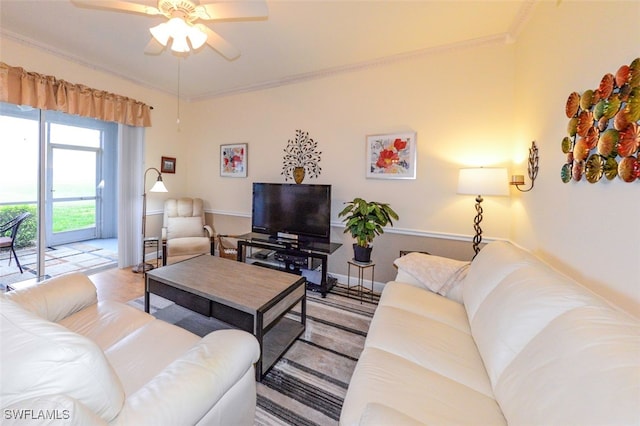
(459,102)
(589,231)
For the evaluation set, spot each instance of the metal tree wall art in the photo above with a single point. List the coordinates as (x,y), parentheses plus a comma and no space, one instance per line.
(300,158)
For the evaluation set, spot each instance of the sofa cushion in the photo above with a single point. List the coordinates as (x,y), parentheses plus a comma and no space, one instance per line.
(50,359)
(383,415)
(383,378)
(494,262)
(107,322)
(582,369)
(143,353)
(424,303)
(429,344)
(519,308)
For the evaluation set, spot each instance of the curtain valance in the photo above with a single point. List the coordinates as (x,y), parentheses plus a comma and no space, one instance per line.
(21,87)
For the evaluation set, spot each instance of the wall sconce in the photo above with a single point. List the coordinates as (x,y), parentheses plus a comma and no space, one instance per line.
(532,169)
(482,181)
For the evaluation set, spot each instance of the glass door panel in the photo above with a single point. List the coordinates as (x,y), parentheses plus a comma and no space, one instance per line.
(73,195)
(19,143)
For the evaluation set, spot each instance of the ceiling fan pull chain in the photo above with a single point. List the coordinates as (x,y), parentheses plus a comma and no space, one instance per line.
(178,112)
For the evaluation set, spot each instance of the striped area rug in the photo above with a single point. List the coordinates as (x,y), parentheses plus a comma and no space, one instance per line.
(308,384)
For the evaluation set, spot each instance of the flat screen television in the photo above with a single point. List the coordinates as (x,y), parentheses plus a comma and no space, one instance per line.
(294,211)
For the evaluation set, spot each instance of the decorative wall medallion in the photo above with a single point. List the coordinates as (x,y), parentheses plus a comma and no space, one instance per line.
(301,158)
(604,129)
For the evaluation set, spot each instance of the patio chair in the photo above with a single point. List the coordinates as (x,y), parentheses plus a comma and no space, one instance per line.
(9,241)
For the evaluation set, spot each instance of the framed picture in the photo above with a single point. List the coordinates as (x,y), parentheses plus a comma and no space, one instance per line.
(391,156)
(168,165)
(233,160)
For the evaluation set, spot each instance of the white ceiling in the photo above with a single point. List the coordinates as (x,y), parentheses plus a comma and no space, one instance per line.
(300,39)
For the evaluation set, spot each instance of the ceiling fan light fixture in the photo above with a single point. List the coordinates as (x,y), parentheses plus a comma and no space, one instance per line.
(196,37)
(161,33)
(179,44)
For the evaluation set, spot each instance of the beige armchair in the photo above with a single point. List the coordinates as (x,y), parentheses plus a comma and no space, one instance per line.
(184,231)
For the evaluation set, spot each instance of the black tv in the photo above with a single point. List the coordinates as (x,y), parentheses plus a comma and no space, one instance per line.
(292,211)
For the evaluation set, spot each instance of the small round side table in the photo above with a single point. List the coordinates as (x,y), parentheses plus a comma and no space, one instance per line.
(362,267)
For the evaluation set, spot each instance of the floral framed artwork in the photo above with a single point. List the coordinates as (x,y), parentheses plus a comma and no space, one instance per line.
(168,165)
(391,156)
(233,160)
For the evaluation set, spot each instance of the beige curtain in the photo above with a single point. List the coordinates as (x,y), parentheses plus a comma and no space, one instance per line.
(21,87)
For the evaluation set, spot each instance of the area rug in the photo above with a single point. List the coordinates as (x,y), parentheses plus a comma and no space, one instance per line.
(308,384)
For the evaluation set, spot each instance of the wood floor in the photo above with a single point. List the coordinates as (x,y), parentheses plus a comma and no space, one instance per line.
(123,285)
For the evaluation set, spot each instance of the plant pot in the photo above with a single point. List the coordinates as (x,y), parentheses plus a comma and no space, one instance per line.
(298,174)
(362,254)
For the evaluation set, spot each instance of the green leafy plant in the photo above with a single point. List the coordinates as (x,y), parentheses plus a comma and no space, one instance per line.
(27,233)
(301,152)
(364,220)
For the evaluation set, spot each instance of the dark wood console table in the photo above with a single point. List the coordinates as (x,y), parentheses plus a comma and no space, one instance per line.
(291,249)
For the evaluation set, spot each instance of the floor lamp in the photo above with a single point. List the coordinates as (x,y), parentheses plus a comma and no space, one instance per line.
(157,187)
(481,181)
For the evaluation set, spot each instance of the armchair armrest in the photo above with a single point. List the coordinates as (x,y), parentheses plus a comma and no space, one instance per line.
(190,386)
(57,298)
(210,232)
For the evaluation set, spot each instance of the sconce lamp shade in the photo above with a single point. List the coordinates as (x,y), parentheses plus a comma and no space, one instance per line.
(483,181)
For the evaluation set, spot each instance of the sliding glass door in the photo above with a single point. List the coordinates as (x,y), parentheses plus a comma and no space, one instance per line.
(63,170)
(72,207)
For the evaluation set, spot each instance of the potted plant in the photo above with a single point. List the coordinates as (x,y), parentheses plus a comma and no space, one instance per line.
(364,220)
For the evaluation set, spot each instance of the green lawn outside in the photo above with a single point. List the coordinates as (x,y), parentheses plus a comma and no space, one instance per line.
(67,217)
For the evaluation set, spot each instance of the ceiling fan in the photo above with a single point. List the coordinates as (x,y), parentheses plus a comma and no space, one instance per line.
(182,29)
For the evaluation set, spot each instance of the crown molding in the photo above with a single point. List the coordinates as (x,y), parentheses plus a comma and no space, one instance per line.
(26,41)
(510,36)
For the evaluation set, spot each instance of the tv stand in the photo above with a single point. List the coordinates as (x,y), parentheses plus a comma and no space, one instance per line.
(295,256)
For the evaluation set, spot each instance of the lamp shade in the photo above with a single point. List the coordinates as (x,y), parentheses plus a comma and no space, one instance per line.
(483,181)
(161,33)
(158,186)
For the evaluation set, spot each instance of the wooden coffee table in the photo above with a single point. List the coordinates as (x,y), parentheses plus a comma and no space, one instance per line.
(245,296)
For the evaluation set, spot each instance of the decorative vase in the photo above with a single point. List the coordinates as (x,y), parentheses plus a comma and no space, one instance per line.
(362,254)
(298,174)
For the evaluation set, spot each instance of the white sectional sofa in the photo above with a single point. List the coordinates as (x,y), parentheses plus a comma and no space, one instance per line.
(69,359)
(521,345)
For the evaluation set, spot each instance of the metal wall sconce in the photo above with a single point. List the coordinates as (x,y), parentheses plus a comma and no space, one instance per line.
(532,169)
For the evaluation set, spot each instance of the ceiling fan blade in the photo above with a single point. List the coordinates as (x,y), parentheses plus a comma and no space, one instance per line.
(153,47)
(233,10)
(219,44)
(121,6)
